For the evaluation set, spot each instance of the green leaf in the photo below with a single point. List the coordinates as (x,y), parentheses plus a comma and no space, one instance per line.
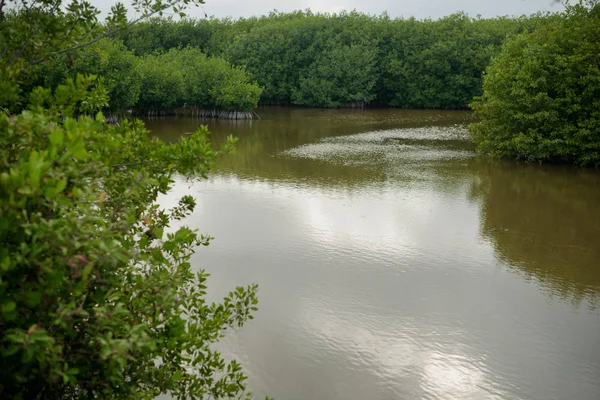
(11,350)
(35,169)
(33,298)
(8,307)
(55,190)
(79,152)
(86,271)
(177,376)
(57,137)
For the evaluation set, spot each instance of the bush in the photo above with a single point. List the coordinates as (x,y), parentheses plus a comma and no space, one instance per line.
(97,295)
(188,77)
(541,99)
(108,59)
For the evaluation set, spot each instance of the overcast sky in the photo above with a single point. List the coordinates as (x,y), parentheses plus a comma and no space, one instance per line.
(395,8)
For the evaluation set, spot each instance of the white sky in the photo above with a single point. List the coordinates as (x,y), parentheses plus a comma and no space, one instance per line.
(395,8)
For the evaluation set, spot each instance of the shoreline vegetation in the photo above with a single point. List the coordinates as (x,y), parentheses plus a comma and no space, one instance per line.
(98,294)
(224,68)
(541,94)
(348,59)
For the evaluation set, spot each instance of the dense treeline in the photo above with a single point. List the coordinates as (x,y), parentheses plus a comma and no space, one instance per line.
(160,82)
(346,59)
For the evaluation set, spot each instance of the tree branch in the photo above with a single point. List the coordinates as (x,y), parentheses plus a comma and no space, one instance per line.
(131,163)
(35,31)
(110,33)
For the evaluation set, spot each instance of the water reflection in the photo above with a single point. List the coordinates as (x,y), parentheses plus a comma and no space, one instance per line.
(393,263)
(544,222)
(397,351)
(262,142)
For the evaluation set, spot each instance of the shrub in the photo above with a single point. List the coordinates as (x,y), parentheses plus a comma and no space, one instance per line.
(541,99)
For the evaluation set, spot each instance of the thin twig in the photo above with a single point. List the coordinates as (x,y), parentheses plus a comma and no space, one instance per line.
(79,46)
(16,56)
(5,50)
(131,163)
(36,30)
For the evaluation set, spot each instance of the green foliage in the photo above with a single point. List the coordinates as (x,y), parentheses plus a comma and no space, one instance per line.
(34,32)
(541,98)
(162,85)
(158,35)
(183,77)
(98,299)
(30,32)
(331,60)
(108,59)
(157,82)
(340,75)
(97,294)
(439,64)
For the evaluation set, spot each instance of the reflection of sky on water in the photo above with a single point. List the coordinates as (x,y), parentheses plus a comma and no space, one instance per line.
(391,289)
(382,350)
(384,292)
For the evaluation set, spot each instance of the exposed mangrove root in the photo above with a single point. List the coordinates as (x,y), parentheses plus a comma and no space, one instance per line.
(197,113)
(221,114)
(274,103)
(154,113)
(354,104)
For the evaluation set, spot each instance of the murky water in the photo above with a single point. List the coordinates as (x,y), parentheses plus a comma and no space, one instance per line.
(395,264)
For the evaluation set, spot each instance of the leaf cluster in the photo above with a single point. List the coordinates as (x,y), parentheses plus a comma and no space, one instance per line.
(541,99)
(98,298)
(187,77)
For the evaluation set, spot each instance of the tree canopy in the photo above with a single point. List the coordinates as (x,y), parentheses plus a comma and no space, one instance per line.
(330,60)
(302,58)
(98,298)
(46,43)
(541,99)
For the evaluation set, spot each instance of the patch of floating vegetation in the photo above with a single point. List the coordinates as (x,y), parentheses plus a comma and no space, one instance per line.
(404,146)
(437,133)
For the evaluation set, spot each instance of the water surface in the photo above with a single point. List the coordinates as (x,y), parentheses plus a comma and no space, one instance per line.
(395,264)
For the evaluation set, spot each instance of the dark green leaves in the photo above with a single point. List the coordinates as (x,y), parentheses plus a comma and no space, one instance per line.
(187,77)
(94,285)
(345,59)
(540,100)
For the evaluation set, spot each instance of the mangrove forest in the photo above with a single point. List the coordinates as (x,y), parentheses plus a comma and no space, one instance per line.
(391,183)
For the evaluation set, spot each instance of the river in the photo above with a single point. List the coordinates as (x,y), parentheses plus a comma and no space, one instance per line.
(393,263)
